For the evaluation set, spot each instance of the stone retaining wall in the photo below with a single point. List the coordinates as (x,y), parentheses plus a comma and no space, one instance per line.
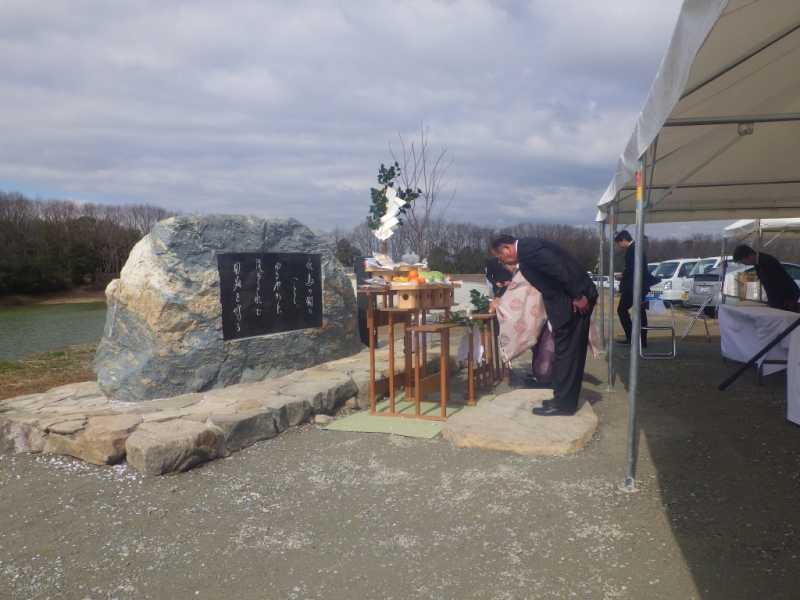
(174,434)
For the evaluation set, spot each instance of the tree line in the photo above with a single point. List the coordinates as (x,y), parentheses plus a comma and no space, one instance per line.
(463,247)
(53,245)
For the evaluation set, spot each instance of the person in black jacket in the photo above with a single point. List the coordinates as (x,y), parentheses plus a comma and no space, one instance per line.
(782,291)
(498,276)
(569,297)
(624,241)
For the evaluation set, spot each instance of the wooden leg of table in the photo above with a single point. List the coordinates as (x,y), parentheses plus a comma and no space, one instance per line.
(495,351)
(488,337)
(391,363)
(471,367)
(423,338)
(482,361)
(489,354)
(409,365)
(469,361)
(478,365)
(370,327)
(417,376)
(444,380)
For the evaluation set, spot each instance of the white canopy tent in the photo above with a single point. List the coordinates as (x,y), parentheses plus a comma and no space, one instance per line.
(719,134)
(725,107)
(747,227)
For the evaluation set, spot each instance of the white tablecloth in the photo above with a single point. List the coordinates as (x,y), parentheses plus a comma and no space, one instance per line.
(744,330)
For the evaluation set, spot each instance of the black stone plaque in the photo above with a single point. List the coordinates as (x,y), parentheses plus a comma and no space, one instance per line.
(269,293)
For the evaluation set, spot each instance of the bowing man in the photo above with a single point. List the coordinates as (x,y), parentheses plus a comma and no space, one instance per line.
(782,291)
(569,297)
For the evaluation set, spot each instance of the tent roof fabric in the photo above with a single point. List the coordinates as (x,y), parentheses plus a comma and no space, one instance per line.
(747,227)
(725,107)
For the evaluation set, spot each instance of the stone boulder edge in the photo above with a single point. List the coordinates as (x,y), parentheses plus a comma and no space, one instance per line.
(100,442)
(156,448)
(507,424)
(21,434)
(244,429)
(163,332)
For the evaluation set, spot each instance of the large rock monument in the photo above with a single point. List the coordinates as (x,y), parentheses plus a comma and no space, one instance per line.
(206,302)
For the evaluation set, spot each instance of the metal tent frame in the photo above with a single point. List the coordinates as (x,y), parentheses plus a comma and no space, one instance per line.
(725,109)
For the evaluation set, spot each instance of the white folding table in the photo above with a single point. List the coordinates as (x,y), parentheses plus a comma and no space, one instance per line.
(744,330)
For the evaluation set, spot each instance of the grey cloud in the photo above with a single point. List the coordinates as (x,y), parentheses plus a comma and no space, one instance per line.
(288,108)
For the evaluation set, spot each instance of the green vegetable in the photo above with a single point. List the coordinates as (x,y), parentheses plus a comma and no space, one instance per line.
(479,301)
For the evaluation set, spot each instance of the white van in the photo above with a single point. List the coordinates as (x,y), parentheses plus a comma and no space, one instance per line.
(673,274)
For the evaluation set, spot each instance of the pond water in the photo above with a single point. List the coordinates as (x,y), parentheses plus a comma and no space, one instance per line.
(26,330)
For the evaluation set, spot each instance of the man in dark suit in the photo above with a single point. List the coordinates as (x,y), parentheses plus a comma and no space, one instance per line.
(569,296)
(624,241)
(782,291)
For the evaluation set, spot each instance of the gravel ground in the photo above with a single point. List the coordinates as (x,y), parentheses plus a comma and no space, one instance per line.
(319,514)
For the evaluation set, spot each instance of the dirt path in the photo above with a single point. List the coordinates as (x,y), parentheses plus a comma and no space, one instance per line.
(318,514)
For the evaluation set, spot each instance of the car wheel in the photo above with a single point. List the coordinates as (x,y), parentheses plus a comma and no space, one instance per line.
(667,303)
(711,311)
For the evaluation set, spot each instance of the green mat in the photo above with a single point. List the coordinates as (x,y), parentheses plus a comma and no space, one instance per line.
(364,422)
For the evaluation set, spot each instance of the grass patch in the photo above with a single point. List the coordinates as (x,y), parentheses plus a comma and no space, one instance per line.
(40,372)
(9,365)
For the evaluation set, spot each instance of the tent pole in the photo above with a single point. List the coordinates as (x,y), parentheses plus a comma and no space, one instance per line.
(758,255)
(602,232)
(636,333)
(723,270)
(610,354)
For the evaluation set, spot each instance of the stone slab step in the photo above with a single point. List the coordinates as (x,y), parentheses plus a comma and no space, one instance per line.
(507,424)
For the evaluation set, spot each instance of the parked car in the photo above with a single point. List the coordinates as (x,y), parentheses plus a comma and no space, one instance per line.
(673,274)
(602,281)
(698,285)
(707,284)
(706,264)
(699,293)
(652,267)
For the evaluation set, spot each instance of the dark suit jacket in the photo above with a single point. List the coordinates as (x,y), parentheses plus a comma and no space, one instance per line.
(557,275)
(626,285)
(781,289)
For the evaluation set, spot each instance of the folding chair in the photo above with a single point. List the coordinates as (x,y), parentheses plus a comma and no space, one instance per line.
(651,300)
(699,315)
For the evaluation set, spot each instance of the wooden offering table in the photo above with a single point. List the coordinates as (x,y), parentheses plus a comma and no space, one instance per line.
(396,303)
(489,371)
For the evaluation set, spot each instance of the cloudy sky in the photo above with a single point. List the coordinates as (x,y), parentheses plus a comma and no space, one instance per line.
(287,108)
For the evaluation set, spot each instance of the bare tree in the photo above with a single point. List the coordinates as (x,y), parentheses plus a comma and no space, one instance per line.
(364,238)
(424,169)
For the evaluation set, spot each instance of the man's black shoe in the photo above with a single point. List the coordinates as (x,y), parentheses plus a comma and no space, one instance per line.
(548,403)
(552,411)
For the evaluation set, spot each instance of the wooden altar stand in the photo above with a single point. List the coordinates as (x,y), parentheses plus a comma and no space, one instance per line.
(409,305)
(490,371)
